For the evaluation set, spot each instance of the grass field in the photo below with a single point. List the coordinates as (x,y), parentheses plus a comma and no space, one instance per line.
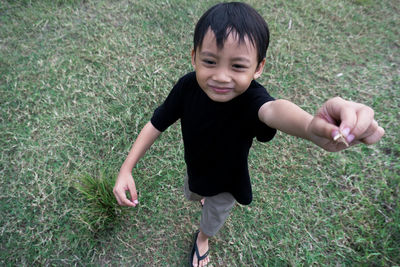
(78,80)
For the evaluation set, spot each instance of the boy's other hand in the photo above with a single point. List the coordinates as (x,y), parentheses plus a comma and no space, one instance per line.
(354,121)
(125,183)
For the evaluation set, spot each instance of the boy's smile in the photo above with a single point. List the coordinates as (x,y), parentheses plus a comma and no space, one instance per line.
(225,73)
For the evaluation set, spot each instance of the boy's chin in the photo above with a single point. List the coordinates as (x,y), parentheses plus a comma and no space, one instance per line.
(218,97)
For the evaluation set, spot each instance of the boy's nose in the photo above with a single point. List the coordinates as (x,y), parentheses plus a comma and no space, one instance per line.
(221,76)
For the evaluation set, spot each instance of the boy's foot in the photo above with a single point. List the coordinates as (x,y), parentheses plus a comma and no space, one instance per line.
(199,253)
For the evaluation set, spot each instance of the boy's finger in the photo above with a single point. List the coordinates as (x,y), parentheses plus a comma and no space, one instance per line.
(121,198)
(348,119)
(323,128)
(116,194)
(374,137)
(126,202)
(365,122)
(117,198)
(343,111)
(133,193)
(334,113)
(370,131)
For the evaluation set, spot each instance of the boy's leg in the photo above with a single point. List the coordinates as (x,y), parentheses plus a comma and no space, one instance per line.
(202,239)
(215,211)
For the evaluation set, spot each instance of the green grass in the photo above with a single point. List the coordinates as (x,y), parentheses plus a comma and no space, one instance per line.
(101,210)
(78,80)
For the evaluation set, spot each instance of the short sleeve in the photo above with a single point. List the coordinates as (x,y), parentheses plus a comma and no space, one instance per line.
(264,133)
(260,96)
(171,110)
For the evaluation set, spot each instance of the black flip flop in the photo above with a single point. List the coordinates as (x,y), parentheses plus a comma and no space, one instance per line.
(195,249)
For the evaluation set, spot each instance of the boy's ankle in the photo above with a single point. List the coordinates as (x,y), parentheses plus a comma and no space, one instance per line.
(202,237)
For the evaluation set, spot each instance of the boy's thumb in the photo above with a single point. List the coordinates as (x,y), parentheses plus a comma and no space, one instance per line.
(323,128)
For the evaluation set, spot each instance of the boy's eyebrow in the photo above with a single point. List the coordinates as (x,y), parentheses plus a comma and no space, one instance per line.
(207,54)
(239,58)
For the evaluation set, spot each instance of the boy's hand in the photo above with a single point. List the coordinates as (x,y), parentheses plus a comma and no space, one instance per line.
(125,183)
(353,120)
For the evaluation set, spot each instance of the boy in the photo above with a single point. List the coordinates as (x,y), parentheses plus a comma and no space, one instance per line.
(222,108)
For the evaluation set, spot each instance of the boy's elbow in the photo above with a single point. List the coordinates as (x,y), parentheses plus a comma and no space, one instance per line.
(266,113)
(270,112)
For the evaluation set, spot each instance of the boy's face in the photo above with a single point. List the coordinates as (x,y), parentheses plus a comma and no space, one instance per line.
(225,73)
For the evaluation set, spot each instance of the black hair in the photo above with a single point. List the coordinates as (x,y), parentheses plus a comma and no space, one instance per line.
(237,18)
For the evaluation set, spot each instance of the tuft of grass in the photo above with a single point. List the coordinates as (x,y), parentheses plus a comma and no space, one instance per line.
(100,209)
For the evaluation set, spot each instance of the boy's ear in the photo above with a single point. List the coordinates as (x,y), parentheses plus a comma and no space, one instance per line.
(259,69)
(193,59)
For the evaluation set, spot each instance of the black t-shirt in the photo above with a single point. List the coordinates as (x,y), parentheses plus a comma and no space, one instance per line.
(217,136)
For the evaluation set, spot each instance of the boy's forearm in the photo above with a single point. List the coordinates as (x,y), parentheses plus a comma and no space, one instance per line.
(145,139)
(287,117)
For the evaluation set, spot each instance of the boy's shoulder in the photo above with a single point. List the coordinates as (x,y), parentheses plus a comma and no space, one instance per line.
(186,84)
(257,90)
(189,77)
(256,86)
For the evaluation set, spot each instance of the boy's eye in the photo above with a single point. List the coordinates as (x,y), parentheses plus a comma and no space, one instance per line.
(208,62)
(240,67)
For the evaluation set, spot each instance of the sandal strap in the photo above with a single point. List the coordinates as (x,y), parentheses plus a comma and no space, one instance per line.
(200,258)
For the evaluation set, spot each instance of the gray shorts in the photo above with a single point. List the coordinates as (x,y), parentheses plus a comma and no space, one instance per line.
(215,210)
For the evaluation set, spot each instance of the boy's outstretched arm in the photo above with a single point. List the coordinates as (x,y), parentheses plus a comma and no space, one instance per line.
(355,121)
(125,181)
